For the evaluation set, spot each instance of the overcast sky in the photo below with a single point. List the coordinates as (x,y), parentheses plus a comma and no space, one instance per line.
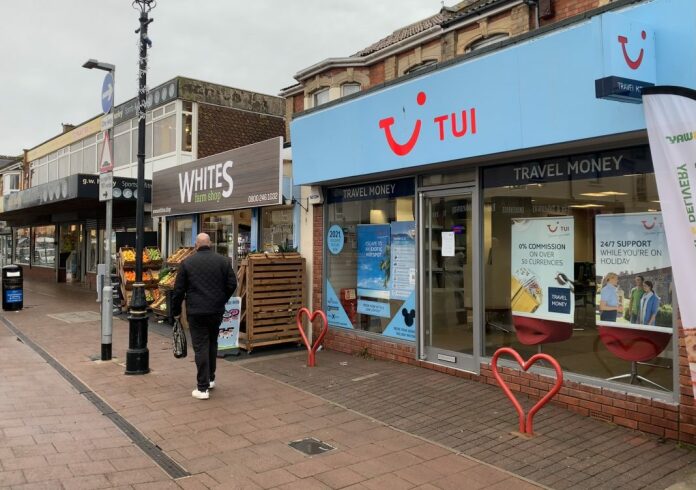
(251,44)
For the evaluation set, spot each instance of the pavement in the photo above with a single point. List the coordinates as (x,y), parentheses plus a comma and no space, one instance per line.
(67,421)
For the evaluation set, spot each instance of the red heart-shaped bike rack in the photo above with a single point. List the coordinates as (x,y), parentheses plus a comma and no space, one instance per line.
(526,426)
(311,350)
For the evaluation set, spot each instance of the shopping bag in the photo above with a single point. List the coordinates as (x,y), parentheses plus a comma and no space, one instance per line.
(180,347)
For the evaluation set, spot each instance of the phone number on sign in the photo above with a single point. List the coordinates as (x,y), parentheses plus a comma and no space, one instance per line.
(271,196)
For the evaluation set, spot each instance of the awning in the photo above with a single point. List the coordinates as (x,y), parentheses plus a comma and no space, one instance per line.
(72,198)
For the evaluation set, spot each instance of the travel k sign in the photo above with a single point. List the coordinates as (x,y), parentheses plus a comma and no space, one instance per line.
(670,116)
(245,177)
(628,57)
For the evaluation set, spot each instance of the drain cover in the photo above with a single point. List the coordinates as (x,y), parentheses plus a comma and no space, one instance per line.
(311,446)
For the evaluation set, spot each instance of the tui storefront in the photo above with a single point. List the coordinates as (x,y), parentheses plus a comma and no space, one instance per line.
(58,227)
(508,198)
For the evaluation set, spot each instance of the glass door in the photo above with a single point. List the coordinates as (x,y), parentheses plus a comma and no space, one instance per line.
(449,271)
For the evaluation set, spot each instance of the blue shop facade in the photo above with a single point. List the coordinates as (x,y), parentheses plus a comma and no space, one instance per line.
(502,191)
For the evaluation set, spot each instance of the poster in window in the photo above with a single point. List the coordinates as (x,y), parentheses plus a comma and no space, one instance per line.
(374,261)
(403,259)
(634,274)
(542,268)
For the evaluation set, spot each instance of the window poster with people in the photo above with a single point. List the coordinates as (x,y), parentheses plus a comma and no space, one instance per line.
(634,274)
(542,270)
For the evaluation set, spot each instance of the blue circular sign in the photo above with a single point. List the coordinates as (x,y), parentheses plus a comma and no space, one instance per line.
(335,239)
(107,93)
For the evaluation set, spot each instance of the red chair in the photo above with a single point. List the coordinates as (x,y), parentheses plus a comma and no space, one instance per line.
(536,331)
(634,345)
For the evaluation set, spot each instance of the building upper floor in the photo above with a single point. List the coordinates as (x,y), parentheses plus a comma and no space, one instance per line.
(452,32)
(186,119)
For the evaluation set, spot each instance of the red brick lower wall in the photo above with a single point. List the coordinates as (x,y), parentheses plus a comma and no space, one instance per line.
(40,273)
(668,420)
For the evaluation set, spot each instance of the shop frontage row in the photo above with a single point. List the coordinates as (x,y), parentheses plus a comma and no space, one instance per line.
(486,207)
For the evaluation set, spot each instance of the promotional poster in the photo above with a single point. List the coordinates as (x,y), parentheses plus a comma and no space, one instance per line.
(228,335)
(634,274)
(542,268)
(403,259)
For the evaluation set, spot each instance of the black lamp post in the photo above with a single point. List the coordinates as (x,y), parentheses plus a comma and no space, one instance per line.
(138,355)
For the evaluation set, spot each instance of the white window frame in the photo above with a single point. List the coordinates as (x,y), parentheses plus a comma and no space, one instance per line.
(318,93)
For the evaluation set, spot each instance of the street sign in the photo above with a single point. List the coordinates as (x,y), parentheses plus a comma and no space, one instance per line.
(106,163)
(107,121)
(107,93)
(106,186)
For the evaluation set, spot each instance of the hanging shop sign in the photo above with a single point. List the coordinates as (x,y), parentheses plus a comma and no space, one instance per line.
(629,63)
(542,268)
(631,252)
(250,176)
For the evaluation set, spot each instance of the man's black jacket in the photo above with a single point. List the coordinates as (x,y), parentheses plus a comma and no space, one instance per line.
(206,280)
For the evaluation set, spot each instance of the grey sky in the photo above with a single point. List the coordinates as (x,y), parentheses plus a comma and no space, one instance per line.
(251,44)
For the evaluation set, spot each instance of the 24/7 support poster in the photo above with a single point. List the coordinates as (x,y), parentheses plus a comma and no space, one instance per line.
(542,268)
(631,249)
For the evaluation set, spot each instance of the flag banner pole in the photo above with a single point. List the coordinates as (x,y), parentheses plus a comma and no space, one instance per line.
(670,116)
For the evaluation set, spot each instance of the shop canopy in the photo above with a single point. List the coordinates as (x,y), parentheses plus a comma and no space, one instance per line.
(72,198)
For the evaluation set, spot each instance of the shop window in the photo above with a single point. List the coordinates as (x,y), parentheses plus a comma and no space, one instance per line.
(220,227)
(89,162)
(52,171)
(148,143)
(181,233)
(577,240)
(164,135)
(10,183)
(43,174)
(320,97)
(486,41)
(420,66)
(277,226)
(92,250)
(371,258)
(44,246)
(186,132)
(76,160)
(23,241)
(349,88)
(64,165)
(122,150)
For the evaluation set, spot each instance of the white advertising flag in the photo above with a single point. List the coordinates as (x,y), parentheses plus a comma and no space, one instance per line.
(670,116)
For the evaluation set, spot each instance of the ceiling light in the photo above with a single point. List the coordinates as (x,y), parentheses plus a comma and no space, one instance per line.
(585,206)
(603,194)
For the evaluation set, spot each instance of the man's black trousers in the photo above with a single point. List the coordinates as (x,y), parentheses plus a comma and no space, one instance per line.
(204,335)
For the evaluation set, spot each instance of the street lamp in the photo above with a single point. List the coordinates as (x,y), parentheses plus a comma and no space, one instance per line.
(107,292)
(138,355)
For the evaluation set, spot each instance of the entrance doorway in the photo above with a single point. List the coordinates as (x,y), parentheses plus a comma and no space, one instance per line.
(449,272)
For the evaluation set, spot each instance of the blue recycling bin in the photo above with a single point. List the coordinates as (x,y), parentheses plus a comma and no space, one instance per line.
(12,287)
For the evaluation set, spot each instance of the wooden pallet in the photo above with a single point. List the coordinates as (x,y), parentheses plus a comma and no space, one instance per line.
(272,288)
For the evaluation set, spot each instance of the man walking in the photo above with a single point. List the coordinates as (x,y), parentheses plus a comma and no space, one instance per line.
(206,280)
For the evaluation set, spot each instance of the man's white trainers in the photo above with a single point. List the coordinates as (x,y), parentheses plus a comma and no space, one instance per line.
(200,395)
(212,385)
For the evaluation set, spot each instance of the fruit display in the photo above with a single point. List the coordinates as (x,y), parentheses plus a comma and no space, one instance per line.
(153,254)
(129,276)
(177,257)
(127,255)
(168,280)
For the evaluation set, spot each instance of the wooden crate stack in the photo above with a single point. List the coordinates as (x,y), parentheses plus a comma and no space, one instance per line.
(272,288)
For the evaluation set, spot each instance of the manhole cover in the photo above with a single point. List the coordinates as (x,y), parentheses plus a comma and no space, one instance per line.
(311,446)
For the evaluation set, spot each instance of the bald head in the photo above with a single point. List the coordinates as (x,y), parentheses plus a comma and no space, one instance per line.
(202,240)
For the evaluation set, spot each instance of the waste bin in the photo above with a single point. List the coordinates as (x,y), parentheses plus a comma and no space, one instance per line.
(12,288)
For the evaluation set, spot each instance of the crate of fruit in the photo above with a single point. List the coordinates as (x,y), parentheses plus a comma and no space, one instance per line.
(167,279)
(179,255)
(127,257)
(152,258)
(128,279)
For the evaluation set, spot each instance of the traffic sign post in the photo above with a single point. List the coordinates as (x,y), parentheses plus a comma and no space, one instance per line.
(106,162)
(106,186)
(107,93)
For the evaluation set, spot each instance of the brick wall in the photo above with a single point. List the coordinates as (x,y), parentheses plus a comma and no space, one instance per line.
(222,128)
(568,8)
(668,420)
(318,256)
(376,74)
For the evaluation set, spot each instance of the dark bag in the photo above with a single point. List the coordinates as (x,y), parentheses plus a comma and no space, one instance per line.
(180,347)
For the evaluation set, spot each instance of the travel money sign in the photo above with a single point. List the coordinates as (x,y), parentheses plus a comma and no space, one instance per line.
(245,177)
